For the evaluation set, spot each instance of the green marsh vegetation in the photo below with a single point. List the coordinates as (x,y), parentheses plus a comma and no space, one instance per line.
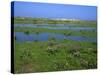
(53,54)
(24,20)
(65,32)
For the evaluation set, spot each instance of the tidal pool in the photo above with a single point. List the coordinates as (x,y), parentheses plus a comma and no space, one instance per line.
(57,26)
(21,36)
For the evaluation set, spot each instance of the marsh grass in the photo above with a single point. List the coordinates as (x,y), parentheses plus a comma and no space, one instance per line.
(64,32)
(37,32)
(51,38)
(52,47)
(67,33)
(55,55)
(35,40)
(27,32)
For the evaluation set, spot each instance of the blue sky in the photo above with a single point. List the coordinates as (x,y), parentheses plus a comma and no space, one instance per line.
(46,10)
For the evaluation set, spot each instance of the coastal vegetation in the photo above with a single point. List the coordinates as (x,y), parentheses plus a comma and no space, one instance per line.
(53,54)
(28,20)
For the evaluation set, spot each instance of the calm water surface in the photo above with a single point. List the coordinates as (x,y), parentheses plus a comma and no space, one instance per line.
(57,26)
(21,36)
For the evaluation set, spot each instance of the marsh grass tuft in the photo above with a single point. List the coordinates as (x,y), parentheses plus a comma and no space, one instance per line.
(52,47)
(67,33)
(60,65)
(52,39)
(27,32)
(36,40)
(52,50)
(94,43)
(37,32)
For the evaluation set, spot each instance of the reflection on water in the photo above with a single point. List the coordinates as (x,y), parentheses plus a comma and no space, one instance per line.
(21,36)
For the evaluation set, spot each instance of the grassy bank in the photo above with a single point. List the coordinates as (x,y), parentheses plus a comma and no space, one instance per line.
(65,32)
(24,20)
(54,55)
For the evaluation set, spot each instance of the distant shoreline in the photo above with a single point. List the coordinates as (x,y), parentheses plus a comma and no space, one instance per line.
(27,20)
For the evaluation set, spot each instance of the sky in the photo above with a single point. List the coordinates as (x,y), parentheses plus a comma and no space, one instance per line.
(49,10)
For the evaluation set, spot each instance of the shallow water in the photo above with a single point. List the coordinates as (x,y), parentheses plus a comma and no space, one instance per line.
(21,36)
(57,26)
